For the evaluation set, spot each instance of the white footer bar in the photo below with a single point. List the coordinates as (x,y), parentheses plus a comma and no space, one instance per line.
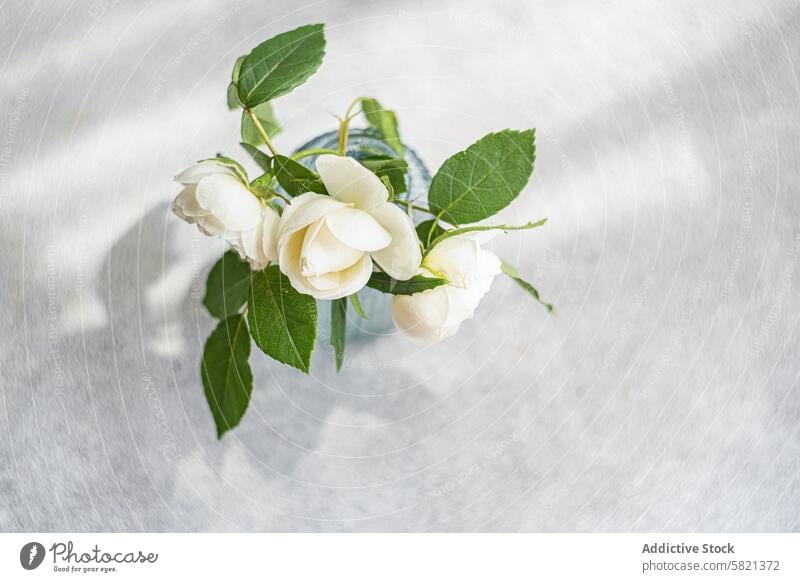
(401,557)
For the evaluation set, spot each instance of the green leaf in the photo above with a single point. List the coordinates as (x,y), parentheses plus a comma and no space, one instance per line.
(424,231)
(338,329)
(230,163)
(233,94)
(357,306)
(484,178)
(512,272)
(416,284)
(263,160)
(389,187)
(226,375)
(384,122)
(275,206)
(282,321)
(295,178)
(237,67)
(267,119)
(262,186)
(393,169)
(280,64)
(506,227)
(233,97)
(370,151)
(227,286)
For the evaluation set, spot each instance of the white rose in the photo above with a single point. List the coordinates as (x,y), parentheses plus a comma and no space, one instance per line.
(326,244)
(216,200)
(437,313)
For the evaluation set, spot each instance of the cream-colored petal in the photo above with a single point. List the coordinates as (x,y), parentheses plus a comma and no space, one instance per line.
(269,240)
(258,265)
(432,305)
(489,265)
(304,210)
(229,201)
(296,203)
(185,205)
(348,181)
(193,174)
(357,229)
(210,226)
(461,304)
(342,283)
(252,247)
(289,261)
(456,259)
(401,258)
(257,261)
(423,316)
(323,253)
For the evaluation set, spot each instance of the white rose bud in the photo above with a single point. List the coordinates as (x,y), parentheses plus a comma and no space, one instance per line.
(437,313)
(216,200)
(326,243)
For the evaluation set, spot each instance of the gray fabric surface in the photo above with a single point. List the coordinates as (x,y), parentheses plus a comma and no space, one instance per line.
(662,396)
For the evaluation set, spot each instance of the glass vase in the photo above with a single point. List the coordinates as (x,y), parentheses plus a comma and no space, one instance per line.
(377,306)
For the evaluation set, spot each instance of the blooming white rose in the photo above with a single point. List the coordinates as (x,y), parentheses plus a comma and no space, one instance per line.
(437,313)
(326,244)
(216,200)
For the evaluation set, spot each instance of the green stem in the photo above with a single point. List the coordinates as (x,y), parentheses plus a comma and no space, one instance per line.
(355,102)
(261,131)
(282,197)
(312,152)
(430,231)
(415,207)
(344,124)
(434,272)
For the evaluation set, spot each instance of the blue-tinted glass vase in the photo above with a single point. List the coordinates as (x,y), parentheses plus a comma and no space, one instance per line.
(377,306)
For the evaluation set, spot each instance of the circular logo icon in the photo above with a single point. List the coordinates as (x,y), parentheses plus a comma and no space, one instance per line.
(31,555)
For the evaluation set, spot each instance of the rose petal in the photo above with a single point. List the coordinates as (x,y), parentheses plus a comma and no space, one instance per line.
(185,205)
(252,247)
(342,283)
(296,203)
(401,258)
(461,304)
(210,226)
(358,230)
(323,253)
(269,240)
(348,181)
(422,315)
(489,265)
(193,174)
(456,259)
(227,199)
(304,210)
(289,261)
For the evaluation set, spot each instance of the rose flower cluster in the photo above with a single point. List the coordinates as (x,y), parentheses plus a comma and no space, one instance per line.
(329,245)
(322,223)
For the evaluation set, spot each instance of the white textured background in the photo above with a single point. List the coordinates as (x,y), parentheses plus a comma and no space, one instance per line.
(663,396)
